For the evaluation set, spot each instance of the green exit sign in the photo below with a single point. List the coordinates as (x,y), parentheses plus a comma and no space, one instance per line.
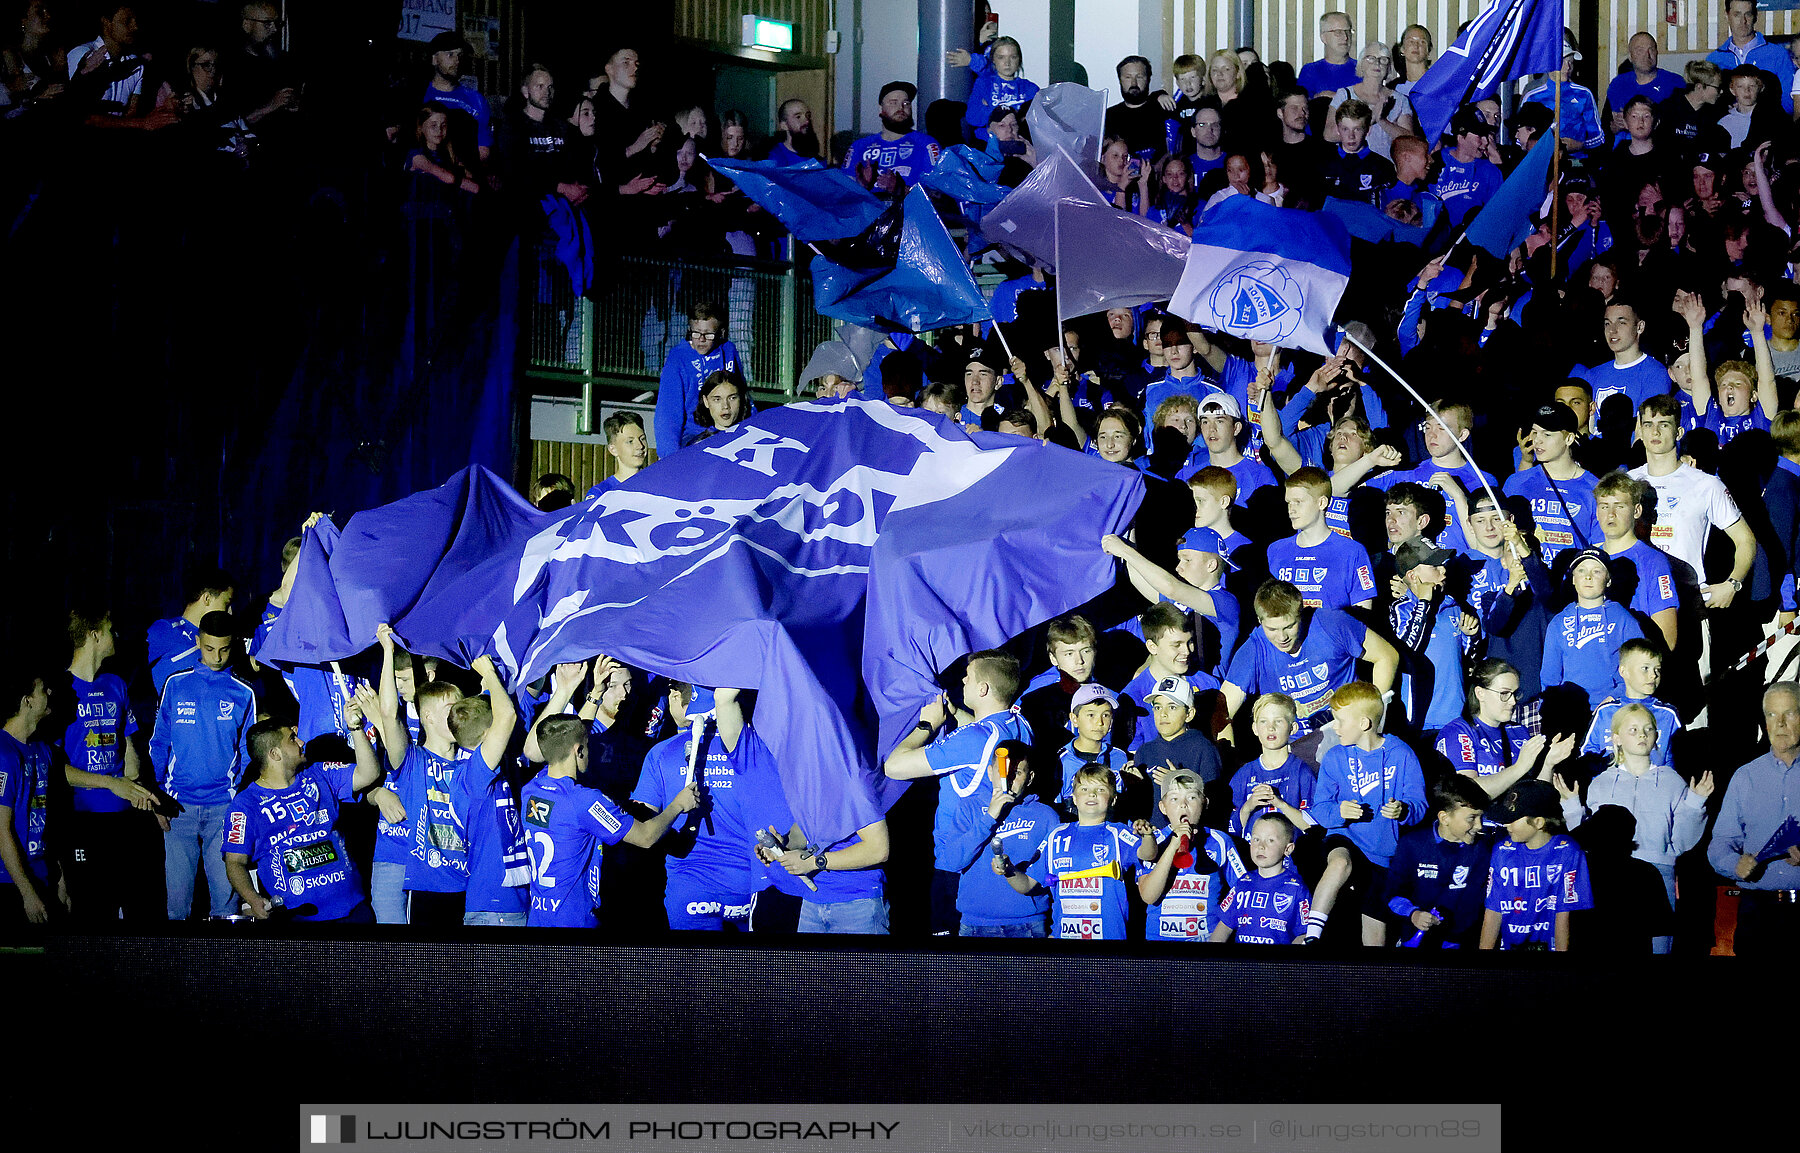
(771,35)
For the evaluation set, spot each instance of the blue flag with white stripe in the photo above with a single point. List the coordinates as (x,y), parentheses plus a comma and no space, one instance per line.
(1511,38)
(833,556)
(1505,221)
(1265,273)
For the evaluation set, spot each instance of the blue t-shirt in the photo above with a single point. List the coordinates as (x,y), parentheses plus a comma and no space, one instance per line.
(490,817)
(1655,589)
(1267,910)
(1727,428)
(25,789)
(959,759)
(1330,644)
(1321,77)
(1453,536)
(1085,868)
(716,866)
(1640,380)
(1292,781)
(1473,746)
(437,850)
(1189,909)
(1582,645)
(565,826)
(1333,574)
(763,801)
(95,742)
(1563,510)
(1466,187)
(393,843)
(1389,772)
(465,98)
(1528,887)
(911,156)
(291,838)
(1624,86)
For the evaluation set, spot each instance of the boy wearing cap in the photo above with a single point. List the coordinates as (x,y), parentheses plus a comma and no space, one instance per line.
(1370,786)
(449,60)
(1537,875)
(1169,642)
(897,148)
(981,384)
(1582,645)
(1220,423)
(1091,719)
(1438,878)
(1559,491)
(200,750)
(1177,746)
(1193,866)
(1467,180)
(1434,634)
(1277,781)
(1197,584)
(1331,571)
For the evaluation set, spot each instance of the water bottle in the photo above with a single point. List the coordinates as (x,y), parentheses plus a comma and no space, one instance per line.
(1000,856)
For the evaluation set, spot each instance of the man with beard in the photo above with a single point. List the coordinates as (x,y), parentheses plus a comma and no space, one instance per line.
(800,142)
(448,50)
(1149,130)
(896,153)
(534,146)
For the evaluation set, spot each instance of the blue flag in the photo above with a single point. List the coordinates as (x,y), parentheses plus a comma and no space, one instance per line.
(1511,38)
(967,176)
(1265,273)
(927,287)
(1366,222)
(1505,221)
(812,201)
(1784,838)
(835,557)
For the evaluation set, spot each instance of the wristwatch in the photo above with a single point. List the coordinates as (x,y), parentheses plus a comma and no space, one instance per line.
(923,726)
(819,860)
(1737,586)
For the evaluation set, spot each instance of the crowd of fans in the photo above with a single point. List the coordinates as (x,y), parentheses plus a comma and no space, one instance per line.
(1502,686)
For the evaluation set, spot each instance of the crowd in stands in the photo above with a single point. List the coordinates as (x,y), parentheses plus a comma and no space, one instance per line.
(1483,674)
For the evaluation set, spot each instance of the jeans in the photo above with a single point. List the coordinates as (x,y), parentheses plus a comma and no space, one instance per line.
(510,920)
(197,837)
(867,915)
(1030,929)
(387,892)
(1665,944)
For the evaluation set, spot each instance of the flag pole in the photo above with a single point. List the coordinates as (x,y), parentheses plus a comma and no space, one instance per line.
(1555,170)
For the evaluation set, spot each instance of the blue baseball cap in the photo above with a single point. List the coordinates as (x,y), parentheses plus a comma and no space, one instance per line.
(1207,540)
(703,703)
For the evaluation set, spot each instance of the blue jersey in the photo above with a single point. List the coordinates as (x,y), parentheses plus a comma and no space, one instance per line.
(1333,574)
(1453,536)
(1640,380)
(201,745)
(1434,645)
(1267,910)
(1085,867)
(910,157)
(1580,112)
(1389,772)
(25,789)
(321,694)
(1073,760)
(985,898)
(1330,644)
(290,836)
(95,742)
(678,391)
(1466,187)
(715,866)
(437,846)
(1293,781)
(1196,386)
(1654,588)
(565,826)
(1528,887)
(1663,84)
(170,647)
(1599,735)
(499,869)
(1582,647)
(1563,510)
(1473,746)
(393,842)
(1727,428)
(1189,909)
(959,759)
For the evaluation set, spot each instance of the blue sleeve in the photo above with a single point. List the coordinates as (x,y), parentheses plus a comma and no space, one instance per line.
(1590,123)
(671,408)
(1242,672)
(1349,631)
(1039,868)
(651,788)
(981,94)
(606,820)
(962,748)
(1552,671)
(1328,793)
(1372,409)
(1295,410)
(1409,786)
(1410,316)
(340,778)
(963,847)
(161,739)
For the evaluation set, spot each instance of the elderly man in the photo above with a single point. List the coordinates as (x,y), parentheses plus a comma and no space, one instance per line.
(1755,843)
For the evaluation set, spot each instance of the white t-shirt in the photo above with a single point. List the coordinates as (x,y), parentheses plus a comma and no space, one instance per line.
(1688,503)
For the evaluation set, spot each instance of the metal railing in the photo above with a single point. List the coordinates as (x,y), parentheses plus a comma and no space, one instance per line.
(637,310)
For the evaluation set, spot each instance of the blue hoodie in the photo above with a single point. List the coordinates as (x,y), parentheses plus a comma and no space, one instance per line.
(679,393)
(171,646)
(201,745)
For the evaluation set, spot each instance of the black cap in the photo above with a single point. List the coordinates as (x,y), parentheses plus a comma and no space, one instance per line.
(1591,554)
(448,42)
(1468,119)
(912,93)
(1556,417)
(988,356)
(1526,799)
(218,624)
(1577,182)
(1712,160)
(1418,551)
(1536,117)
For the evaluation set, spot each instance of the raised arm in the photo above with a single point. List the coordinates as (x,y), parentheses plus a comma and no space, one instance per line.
(728,714)
(564,680)
(1345,479)
(1689,307)
(908,760)
(368,766)
(1755,317)
(395,739)
(1160,581)
(1276,445)
(1034,396)
(506,716)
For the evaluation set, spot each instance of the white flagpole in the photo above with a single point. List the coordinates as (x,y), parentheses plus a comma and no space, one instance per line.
(697,727)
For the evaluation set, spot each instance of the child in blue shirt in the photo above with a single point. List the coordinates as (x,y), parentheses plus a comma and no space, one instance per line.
(1084,865)
(1277,781)
(1537,876)
(1193,866)
(1091,714)
(1271,905)
(1583,642)
(1017,823)
(997,82)
(499,877)
(1640,671)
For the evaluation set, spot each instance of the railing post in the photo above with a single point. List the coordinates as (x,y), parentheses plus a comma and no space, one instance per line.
(584,312)
(790,326)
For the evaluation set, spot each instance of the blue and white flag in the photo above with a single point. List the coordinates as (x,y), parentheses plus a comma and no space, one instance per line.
(1505,220)
(835,557)
(1511,38)
(1265,273)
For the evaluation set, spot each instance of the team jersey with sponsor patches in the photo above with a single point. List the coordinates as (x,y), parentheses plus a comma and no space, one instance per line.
(1292,780)
(1326,659)
(1563,510)
(25,789)
(1528,887)
(437,844)
(1085,869)
(1652,578)
(1073,760)
(1189,909)
(480,794)
(1332,574)
(1600,739)
(95,738)
(911,156)
(1453,536)
(960,760)
(710,850)
(565,827)
(1267,910)
(393,842)
(1480,748)
(291,838)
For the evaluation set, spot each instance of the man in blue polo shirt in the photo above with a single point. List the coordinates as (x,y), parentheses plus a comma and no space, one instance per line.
(1337,70)
(897,148)
(1631,371)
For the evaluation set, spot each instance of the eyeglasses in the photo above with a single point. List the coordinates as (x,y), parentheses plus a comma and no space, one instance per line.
(1379,59)
(207,65)
(277,24)
(1503,694)
(697,335)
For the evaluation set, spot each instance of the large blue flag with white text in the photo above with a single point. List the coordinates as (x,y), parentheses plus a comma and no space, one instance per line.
(1265,273)
(1511,38)
(833,556)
